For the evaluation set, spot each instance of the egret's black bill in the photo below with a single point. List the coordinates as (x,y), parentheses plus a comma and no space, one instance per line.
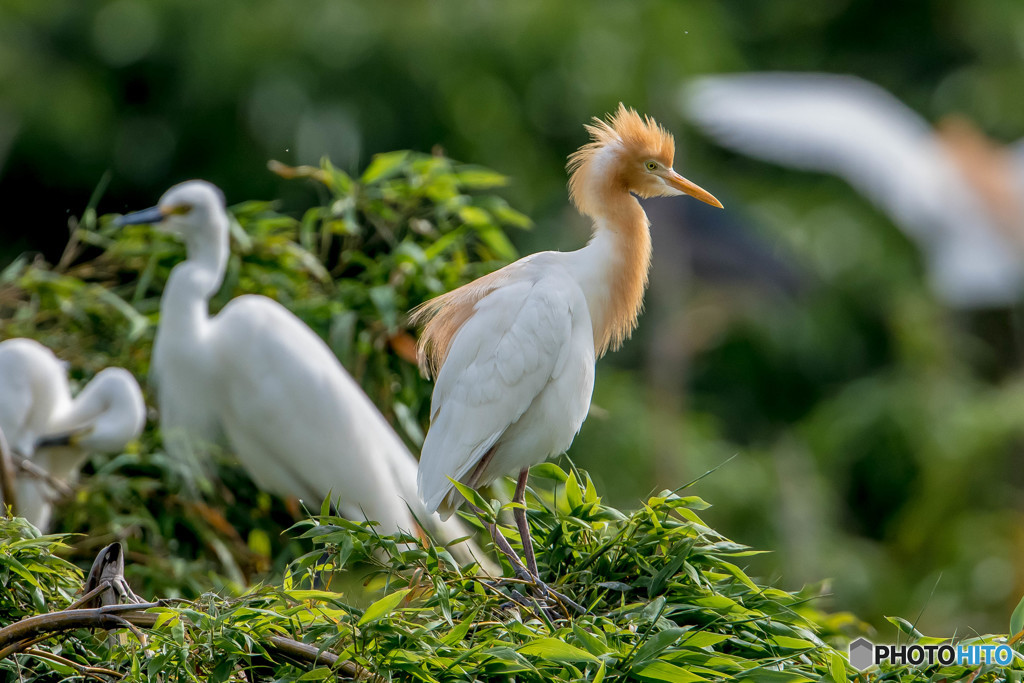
(55,440)
(152,215)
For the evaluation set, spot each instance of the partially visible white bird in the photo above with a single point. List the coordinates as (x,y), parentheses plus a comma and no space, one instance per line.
(513,352)
(261,378)
(956,194)
(42,423)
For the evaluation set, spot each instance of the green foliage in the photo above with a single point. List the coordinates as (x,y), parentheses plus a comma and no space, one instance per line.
(32,575)
(665,602)
(665,598)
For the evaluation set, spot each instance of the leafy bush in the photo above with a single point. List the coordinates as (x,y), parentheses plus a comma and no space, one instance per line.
(665,599)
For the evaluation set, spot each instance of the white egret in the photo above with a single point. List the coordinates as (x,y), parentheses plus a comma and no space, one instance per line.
(513,352)
(260,377)
(44,424)
(955,193)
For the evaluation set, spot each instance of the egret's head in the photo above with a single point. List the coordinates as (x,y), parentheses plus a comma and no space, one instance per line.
(113,414)
(186,209)
(629,152)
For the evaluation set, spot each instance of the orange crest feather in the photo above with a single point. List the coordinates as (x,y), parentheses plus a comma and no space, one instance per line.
(633,135)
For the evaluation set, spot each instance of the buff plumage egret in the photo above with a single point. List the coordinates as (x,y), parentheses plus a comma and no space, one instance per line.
(54,432)
(258,378)
(513,352)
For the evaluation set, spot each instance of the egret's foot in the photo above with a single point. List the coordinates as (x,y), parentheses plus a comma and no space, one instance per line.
(542,592)
(544,595)
(564,601)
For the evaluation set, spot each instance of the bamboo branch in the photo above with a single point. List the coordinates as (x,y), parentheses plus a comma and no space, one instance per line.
(114,617)
(90,671)
(13,638)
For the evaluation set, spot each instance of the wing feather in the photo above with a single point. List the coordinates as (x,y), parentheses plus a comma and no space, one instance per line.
(502,358)
(832,124)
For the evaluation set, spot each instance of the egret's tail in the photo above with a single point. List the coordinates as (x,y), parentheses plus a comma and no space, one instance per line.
(446,530)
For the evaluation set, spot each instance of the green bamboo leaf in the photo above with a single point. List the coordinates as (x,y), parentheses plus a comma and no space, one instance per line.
(1017,619)
(593,644)
(315,595)
(791,643)
(768,676)
(837,668)
(655,645)
(496,240)
(702,639)
(905,626)
(549,470)
(573,492)
(739,574)
(471,495)
(384,166)
(556,650)
(476,217)
(165,617)
(663,671)
(461,629)
(477,178)
(19,569)
(383,607)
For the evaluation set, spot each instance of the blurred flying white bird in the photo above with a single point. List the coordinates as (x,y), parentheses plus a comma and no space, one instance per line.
(956,194)
(513,352)
(259,376)
(43,424)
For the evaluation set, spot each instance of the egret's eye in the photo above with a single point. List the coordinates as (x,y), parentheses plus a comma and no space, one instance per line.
(179,210)
(651,165)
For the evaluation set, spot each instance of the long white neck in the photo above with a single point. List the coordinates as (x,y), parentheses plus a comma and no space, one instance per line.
(83,410)
(107,414)
(612,269)
(91,402)
(184,307)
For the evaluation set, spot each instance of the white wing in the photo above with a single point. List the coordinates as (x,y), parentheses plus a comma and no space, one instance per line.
(33,387)
(848,127)
(520,344)
(833,124)
(297,421)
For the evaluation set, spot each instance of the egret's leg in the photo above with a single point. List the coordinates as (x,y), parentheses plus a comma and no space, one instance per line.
(503,546)
(523,523)
(520,570)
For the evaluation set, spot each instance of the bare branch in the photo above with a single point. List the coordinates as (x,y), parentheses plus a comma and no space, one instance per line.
(26,466)
(91,671)
(13,638)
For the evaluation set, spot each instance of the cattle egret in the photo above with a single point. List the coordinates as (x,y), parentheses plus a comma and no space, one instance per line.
(513,352)
(955,193)
(256,374)
(54,432)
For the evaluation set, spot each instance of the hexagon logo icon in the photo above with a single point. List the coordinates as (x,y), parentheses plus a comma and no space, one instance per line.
(861,654)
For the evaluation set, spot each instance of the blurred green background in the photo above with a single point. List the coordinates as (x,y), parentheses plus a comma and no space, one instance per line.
(877,435)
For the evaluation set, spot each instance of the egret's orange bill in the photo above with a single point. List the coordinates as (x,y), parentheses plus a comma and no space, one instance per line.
(694,190)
